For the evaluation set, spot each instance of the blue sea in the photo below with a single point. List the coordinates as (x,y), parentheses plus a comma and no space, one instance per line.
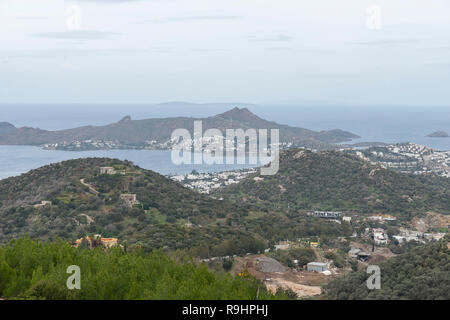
(383,124)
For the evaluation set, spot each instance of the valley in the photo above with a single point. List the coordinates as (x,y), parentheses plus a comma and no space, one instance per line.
(327,207)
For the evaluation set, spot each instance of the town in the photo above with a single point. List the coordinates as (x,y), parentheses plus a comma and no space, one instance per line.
(407,158)
(202,143)
(206,182)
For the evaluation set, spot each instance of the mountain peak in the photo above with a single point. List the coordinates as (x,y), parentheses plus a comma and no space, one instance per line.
(242,114)
(125,119)
(6,127)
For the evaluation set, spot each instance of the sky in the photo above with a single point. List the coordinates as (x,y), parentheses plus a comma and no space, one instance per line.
(355,52)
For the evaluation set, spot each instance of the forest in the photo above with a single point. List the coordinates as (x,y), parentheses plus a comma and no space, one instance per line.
(419,274)
(30,269)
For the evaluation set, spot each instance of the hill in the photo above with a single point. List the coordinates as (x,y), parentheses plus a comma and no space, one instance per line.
(168,215)
(156,133)
(333,180)
(83,201)
(420,274)
(6,127)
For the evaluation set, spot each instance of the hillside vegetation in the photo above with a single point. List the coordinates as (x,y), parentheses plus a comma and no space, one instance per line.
(333,180)
(420,274)
(168,215)
(34,270)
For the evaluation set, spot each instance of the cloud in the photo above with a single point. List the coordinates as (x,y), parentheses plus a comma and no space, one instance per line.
(276,38)
(385,42)
(192,18)
(210,50)
(78,53)
(77,35)
(279,49)
(32,18)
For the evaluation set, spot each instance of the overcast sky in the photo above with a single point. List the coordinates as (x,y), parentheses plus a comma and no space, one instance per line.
(379,52)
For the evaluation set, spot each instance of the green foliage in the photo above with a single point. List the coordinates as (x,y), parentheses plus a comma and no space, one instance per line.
(338,260)
(287,257)
(159,222)
(420,274)
(338,181)
(34,270)
(227,264)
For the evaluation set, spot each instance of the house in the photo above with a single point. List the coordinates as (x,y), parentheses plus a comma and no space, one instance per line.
(282,246)
(97,241)
(434,236)
(325,214)
(347,219)
(107,170)
(382,217)
(90,242)
(400,239)
(314,244)
(43,204)
(317,266)
(129,199)
(109,242)
(363,256)
(353,252)
(380,237)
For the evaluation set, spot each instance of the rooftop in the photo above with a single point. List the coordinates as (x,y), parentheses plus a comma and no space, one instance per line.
(318,264)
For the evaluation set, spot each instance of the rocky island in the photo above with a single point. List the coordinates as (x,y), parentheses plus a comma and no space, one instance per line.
(438,134)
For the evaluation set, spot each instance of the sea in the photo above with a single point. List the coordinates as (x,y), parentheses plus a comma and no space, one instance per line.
(372,123)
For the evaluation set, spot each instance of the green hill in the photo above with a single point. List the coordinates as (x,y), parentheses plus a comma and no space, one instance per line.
(33,270)
(168,215)
(420,274)
(332,180)
(158,220)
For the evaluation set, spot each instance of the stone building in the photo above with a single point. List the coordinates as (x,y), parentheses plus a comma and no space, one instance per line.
(129,199)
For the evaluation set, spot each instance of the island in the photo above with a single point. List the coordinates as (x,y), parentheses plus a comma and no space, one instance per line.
(438,134)
(156,133)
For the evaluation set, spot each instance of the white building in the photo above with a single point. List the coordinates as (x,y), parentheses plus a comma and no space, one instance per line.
(317,266)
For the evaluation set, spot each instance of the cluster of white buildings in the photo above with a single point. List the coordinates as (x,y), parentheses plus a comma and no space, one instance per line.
(97,144)
(325,214)
(410,157)
(100,144)
(206,182)
(430,160)
(381,237)
(410,149)
(381,218)
(413,235)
